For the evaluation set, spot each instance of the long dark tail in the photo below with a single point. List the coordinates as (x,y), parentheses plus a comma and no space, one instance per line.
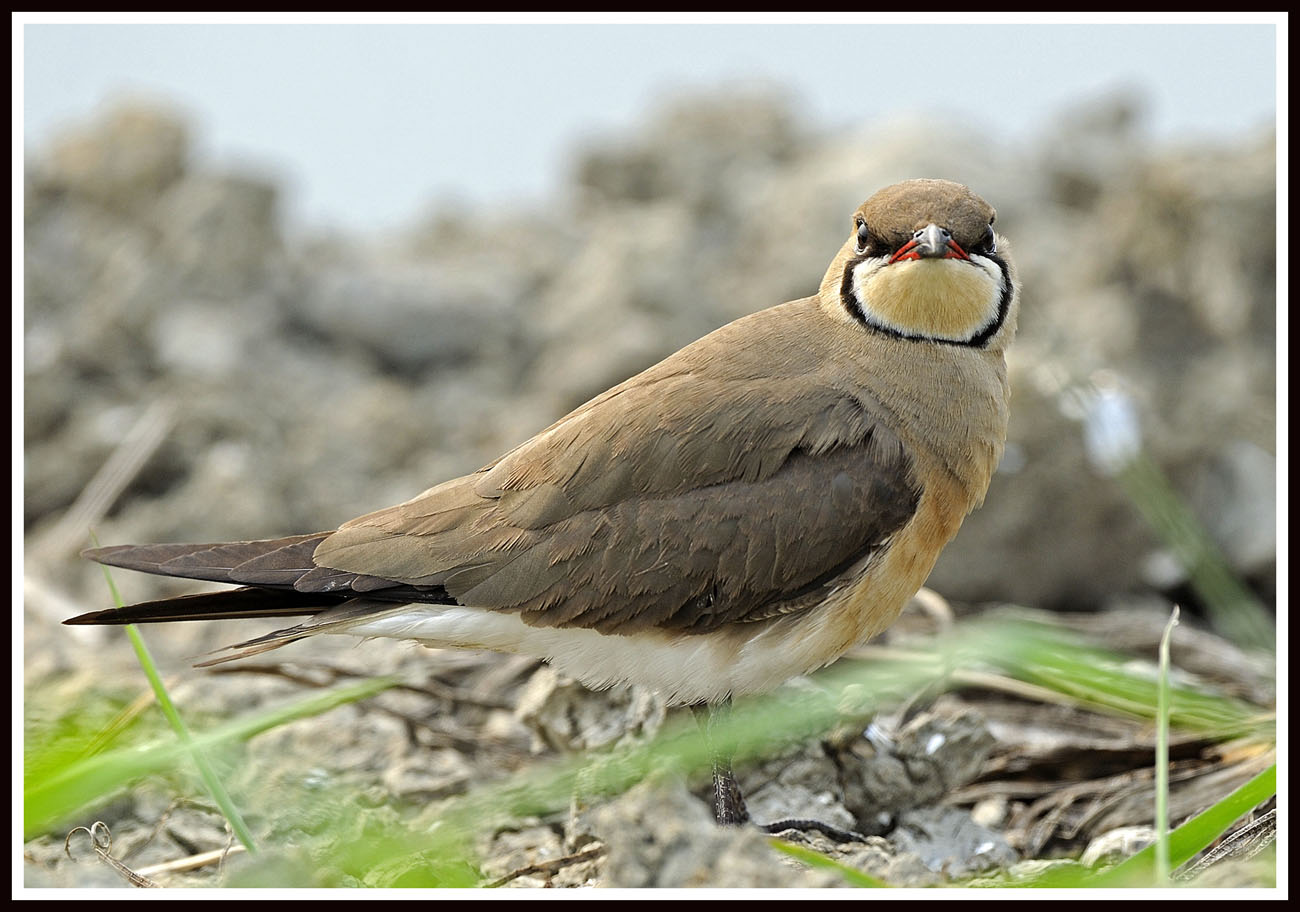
(248,602)
(273,567)
(278,578)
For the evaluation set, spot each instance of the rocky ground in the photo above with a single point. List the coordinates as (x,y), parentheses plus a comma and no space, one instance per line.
(191,372)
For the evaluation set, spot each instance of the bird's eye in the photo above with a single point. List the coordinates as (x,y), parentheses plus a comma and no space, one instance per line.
(864,236)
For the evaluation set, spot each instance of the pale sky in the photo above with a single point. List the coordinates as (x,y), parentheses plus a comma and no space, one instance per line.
(366,125)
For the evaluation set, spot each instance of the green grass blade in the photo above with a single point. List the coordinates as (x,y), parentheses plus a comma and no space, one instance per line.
(209,775)
(1106,681)
(851,875)
(1233,609)
(1141,870)
(1194,835)
(1113,441)
(61,793)
(1162,755)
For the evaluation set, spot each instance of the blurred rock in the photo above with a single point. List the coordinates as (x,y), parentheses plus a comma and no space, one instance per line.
(659,835)
(883,776)
(126,158)
(950,842)
(702,151)
(220,235)
(801,784)
(1091,143)
(412,320)
(568,717)
(1236,491)
(1113,846)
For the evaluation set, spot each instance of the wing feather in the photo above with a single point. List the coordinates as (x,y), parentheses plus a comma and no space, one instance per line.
(706,491)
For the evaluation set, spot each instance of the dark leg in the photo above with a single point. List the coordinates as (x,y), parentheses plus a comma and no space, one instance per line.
(728,803)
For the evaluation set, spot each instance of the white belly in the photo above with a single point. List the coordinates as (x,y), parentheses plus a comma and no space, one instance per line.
(680,667)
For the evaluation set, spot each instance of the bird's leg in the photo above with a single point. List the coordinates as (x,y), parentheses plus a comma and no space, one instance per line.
(728,802)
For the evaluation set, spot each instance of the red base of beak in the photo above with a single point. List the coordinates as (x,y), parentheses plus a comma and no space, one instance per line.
(908,252)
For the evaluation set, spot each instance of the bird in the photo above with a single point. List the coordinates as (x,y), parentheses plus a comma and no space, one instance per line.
(743,512)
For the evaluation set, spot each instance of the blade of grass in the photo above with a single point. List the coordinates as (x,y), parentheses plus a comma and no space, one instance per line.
(1233,609)
(1184,843)
(209,775)
(77,785)
(1162,755)
(1194,835)
(852,876)
(1105,680)
(1113,441)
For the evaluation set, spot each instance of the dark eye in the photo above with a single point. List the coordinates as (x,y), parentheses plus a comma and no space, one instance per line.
(864,236)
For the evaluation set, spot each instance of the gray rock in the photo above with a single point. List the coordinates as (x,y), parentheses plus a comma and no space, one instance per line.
(948,841)
(133,152)
(568,717)
(933,754)
(659,835)
(1114,846)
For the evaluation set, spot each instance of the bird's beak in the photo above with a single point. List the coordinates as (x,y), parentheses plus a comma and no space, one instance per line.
(930,243)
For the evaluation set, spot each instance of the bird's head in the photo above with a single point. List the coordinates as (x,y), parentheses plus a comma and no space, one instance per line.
(924,263)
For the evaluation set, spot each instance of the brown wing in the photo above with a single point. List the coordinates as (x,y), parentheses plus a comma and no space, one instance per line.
(713,488)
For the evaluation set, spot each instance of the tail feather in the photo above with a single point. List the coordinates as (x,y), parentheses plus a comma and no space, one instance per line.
(278,561)
(248,602)
(282,564)
(337,619)
(279,579)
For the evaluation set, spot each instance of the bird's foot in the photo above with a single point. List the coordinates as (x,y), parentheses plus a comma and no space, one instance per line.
(804,825)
